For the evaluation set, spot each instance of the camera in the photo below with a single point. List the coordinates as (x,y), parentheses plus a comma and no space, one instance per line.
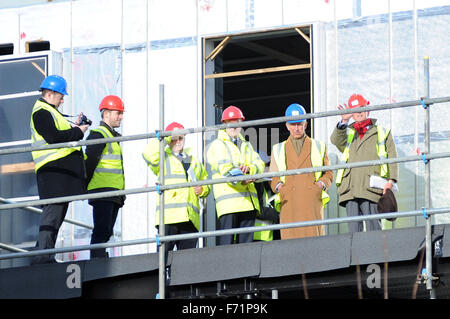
(84,120)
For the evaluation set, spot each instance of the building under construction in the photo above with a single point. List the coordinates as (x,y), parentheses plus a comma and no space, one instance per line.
(184,61)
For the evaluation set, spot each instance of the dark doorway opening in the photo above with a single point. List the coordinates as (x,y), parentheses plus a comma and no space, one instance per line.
(262,74)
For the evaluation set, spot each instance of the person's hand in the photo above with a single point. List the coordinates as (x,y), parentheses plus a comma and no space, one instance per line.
(345,117)
(386,186)
(84,127)
(248,181)
(279,187)
(198,190)
(77,122)
(244,169)
(320,184)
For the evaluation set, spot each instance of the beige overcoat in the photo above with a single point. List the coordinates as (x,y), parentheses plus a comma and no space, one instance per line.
(300,197)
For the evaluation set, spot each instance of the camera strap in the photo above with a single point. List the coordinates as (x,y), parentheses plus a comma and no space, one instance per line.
(71,116)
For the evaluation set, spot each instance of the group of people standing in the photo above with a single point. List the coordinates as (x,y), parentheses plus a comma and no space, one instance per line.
(285,199)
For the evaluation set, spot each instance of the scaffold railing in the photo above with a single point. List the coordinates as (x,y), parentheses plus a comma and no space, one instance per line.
(105,194)
(212,128)
(214,233)
(425,157)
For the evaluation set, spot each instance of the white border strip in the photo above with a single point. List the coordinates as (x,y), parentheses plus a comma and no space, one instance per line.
(16,95)
(22,142)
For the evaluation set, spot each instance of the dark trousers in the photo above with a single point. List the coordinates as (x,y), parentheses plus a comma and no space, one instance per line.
(236,220)
(359,207)
(177,229)
(51,220)
(104,216)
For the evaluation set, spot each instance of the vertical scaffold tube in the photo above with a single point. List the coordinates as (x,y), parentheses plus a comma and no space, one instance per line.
(162,257)
(428,247)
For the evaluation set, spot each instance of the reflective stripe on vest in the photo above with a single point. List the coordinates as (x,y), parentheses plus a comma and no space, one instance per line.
(181,204)
(43,157)
(266,235)
(317,156)
(382,135)
(232,198)
(109,170)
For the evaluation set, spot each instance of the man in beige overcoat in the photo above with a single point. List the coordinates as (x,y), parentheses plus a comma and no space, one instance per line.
(302,197)
(360,141)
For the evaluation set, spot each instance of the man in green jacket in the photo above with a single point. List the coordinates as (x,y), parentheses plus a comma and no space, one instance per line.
(360,141)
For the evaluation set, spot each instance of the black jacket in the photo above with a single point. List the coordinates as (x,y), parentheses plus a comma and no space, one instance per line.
(65,176)
(94,153)
(266,212)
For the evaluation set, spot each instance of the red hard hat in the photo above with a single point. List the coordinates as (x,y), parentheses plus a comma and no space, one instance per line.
(232,113)
(357,100)
(174,126)
(111,102)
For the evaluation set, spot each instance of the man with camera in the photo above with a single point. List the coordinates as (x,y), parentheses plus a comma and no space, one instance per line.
(104,166)
(60,172)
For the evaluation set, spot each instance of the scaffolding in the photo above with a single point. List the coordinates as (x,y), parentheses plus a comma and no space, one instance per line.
(426,157)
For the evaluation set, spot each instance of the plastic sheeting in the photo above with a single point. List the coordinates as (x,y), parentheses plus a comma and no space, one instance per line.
(363,67)
(96,31)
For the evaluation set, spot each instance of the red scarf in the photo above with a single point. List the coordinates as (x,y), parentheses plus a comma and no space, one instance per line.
(361,127)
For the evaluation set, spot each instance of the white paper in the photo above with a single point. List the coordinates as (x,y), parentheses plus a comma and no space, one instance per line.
(379,182)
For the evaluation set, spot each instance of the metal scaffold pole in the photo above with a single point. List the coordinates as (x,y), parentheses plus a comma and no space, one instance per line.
(162,257)
(428,247)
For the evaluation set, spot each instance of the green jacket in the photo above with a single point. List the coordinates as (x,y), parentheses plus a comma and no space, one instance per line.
(355,182)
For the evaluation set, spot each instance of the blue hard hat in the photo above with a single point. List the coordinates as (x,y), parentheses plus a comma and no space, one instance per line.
(54,83)
(293,110)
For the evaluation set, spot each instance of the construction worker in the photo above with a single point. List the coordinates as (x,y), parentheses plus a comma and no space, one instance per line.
(231,155)
(59,172)
(181,205)
(301,197)
(363,140)
(104,167)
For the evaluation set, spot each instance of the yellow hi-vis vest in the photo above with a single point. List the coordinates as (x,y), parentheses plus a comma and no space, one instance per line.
(382,135)
(265,235)
(223,155)
(318,149)
(109,170)
(180,204)
(43,157)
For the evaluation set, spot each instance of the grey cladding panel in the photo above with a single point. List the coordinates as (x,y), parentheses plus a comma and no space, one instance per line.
(216,263)
(395,245)
(98,268)
(47,281)
(313,254)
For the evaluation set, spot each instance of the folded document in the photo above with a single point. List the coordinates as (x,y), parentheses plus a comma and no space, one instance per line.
(379,182)
(235,172)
